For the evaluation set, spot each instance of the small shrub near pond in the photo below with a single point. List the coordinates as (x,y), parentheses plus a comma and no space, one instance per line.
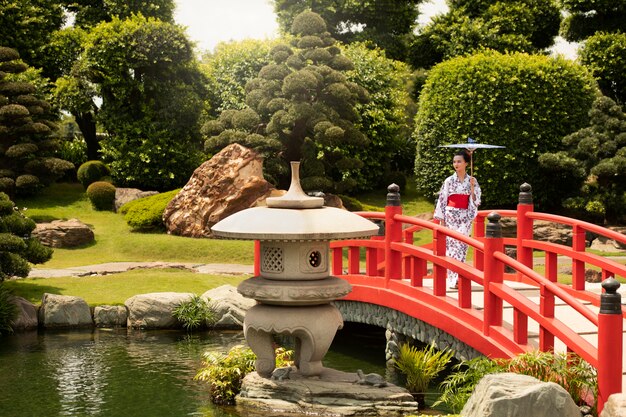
(225,372)
(147,213)
(420,368)
(195,313)
(568,370)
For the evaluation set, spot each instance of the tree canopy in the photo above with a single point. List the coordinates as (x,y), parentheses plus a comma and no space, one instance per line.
(388,24)
(469,26)
(27,26)
(586,17)
(151,90)
(524,102)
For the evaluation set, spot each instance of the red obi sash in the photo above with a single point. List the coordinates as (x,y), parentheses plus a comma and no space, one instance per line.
(460,201)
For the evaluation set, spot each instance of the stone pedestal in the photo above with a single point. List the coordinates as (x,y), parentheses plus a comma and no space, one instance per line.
(332,393)
(313,327)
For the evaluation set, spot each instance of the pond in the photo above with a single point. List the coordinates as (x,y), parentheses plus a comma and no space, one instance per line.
(113,373)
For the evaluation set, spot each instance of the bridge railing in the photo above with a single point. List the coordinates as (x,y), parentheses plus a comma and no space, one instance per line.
(394,265)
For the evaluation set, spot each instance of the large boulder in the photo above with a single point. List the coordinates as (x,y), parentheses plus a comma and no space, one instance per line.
(615,406)
(60,311)
(126,195)
(154,310)
(229,182)
(26,315)
(63,233)
(230,307)
(332,393)
(110,316)
(514,395)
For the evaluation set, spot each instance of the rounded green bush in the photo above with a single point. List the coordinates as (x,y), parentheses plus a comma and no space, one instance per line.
(526,103)
(102,195)
(92,171)
(147,213)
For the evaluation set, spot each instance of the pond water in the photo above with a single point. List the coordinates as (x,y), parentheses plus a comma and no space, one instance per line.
(113,373)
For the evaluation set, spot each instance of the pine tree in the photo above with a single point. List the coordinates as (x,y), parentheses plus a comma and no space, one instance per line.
(301,108)
(17,246)
(27,128)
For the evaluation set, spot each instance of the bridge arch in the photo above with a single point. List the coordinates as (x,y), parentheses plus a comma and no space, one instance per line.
(399,326)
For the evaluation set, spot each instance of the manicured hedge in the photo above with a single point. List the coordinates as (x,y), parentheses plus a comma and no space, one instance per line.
(147,213)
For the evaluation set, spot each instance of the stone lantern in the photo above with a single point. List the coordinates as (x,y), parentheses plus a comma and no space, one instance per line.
(294,290)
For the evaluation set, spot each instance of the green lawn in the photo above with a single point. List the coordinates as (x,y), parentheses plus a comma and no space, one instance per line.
(115,242)
(116,288)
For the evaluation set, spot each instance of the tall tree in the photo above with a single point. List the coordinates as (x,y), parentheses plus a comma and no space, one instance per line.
(301,108)
(27,128)
(469,26)
(74,92)
(151,88)
(388,24)
(586,17)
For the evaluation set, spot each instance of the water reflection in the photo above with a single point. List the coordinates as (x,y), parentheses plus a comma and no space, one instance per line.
(113,373)
(107,373)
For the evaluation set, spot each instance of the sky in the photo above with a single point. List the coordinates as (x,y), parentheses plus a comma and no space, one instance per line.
(209,22)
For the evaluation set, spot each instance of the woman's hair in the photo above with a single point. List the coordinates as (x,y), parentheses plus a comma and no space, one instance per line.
(464,154)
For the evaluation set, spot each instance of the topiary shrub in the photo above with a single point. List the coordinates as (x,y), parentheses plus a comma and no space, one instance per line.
(18,249)
(527,103)
(102,195)
(147,213)
(92,171)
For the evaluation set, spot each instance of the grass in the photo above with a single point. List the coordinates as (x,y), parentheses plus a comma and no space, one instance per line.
(116,288)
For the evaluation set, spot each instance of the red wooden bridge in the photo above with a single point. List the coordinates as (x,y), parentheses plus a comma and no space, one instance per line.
(488,313)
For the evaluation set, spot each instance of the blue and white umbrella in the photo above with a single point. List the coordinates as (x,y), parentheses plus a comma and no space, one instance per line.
(471,145)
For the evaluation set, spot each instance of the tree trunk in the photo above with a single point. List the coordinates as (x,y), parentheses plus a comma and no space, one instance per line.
(87,125)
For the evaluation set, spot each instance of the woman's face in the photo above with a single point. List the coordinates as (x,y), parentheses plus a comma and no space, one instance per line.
(459,163)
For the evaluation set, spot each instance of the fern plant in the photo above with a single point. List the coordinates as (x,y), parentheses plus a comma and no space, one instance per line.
(421,366)
(195,313)
(459,385)
(225,372)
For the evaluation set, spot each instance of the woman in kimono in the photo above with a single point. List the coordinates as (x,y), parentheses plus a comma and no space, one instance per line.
(457,207)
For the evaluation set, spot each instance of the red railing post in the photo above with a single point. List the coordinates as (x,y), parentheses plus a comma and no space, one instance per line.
(479,233)
(610,327)
(257,258)
(393,233)
(578,267)
(493,273)
(524,226)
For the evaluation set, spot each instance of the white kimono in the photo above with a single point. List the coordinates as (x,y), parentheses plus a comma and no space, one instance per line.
(457,219)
